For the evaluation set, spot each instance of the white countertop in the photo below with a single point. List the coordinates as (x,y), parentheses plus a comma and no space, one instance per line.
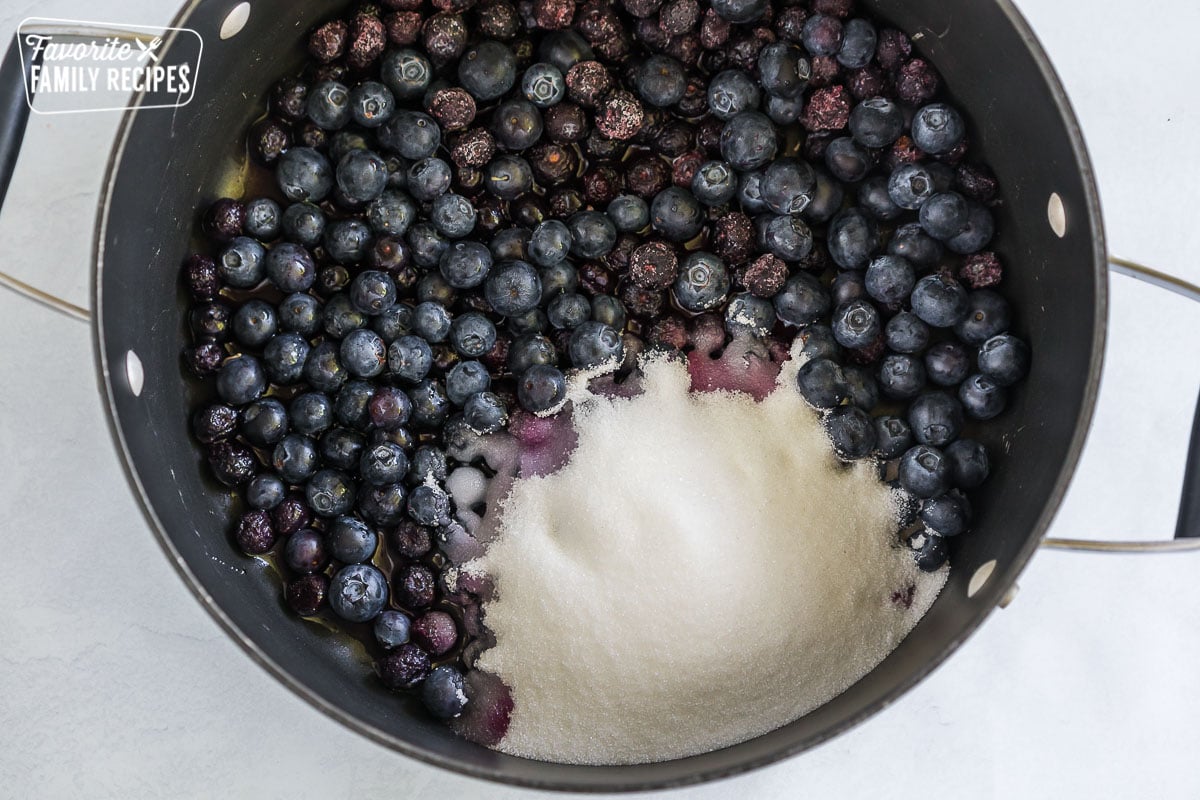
(115,683)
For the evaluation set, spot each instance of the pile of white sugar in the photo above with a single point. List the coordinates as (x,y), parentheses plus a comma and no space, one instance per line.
(700,572)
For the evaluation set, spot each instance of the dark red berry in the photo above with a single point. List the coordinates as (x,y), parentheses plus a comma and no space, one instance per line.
(619,116)
(892,48)
(867,82)
(977,182)
(565,123)
(654,265)
(390,253)
(232,464)
(834,8)
(694,102)
(678,16)
(411,540)
(403,667)
(215,423)
(825,71)
(684,48)
(224,219)
(955,156)
(445,37)
(596,21)
(254,534)
(647,175)
(827,110)
(650,34)
(306,595)
(336,71)
(708,135)
(453,108)
(733,237)
(641,8)
(869,354)
(601,185)
(403,27)
(290,516)
(267,139)
(498,19)
(289,99)
(474,148)
(204,359)
(565,202)
(496,358)
(615,49)
(640,302)
(309,134)
(789,24)
(917,82)
(328,42)
(670,332)
(553,14)
(684,167)
(595,279)
(981,270)
(903,151)
(587,82)
(200,276)
(436,632)
(764,276)
(368,37)
(618,259)
(415,586)
(552,163)
(744,48)
(457,6)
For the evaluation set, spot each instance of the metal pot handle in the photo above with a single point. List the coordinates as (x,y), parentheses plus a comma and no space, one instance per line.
(1187,525)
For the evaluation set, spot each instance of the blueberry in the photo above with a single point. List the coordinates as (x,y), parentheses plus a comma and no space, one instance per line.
(311,413)
(303,223)
(945,215)
(901,376)
(444,692)
(676,214)
(304,174)
(344,142)
(363,353)
(430,406)
(530,350)
(254,323)
(660,81)
(361,176)
(568,311)
(428,246)
(1004,359)
(609,310)
(427,462)
(429,505)
(851,432)
(295,458)
(339,316)
(939,301)
(264,422)
(410,358)
(242,263)
(788,185)
(550,243)
(357,593)
(485,412)
(936,419)
(431,322)
(305,552)
(749,193)
(822,383)
(391,213)
(488,70)
(513,289)
(517,125)
(910,185)
(508,177)
(465,265)
(968,463)
(748,140)
(978,233)
(543,85)
(392,629)
(347,240)
(329,493)
(889,279)
(465,379)
(410,134)
(472,335)
(350,540)
(848,285)
(803,300)
(988,316)
(429,178)
(749,314)
(924,471)
(784,111)
(861,387)
(892,437)
(945,515)
(240,380)
(290,267)
(938,128)
(629,213)
(740,11)
(389,408)
(827,199)
(856,324)
(406,72)
(350,405)
(731,92)
(541,387)
(947,363)
(372,292)
(564,49)
(702,284)
(929,550)
(593,344)
(594,235)
(858,47)
(341,448)
(910,241)
(394,322)
(715,183)
(783,71)
(906,333)
(851,239)
(323,369)
(328,105)
(822,35)
(873,198)
(263,219)
(847,160)
(371,104)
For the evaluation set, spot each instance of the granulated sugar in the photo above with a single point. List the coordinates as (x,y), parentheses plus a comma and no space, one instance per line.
(701,571)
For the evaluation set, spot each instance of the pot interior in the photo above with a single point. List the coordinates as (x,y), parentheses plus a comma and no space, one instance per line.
(169,163)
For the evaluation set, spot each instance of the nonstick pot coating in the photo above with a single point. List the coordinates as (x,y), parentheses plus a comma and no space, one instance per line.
(168,163)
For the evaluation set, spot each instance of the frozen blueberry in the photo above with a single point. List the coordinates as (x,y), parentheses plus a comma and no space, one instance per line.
(945,515)
(304,174)
(350,540)
(938,128)
(508,177)
(363,353)
(593,233)
(394,322)
(803,300)
(240,380)
(947,363)
(939,301)
(430,406)
(513,289)
(341,448)
(783,71)
(431,321)
(371,104)
(472,335)
(347,240)
(361,176)
(543,85)
(330,493)
(748,140)
(550,243)
(357,593)
(541,387)
(910,185)
(465,379)
(264,422)
(822,383)
(593,344)
(901,376)
(485,412)
(568,311)
(945,215)
(660,81)
(295,458)
(851,432)
(263,219)
(629,213)
(444,692)
(488,70)
(714,184)
(265,492)
(517,124)
(910,241)
(936,419)
(788,185)
(529,350)
(852,239)
(968,463)
(410,134)
(305,552)
(747,314)
(858,44)
(928,549)
(428,462)
(391,213)
(892,437)
(564,49)
(428,179)
(429,505)
(303,223)
(731,92)
(978,233)
(329,105)
(676,214)
(924,471)
(1004,359)
(311,413)
(428,246)
(242,264)
(406,72)
(702,284)
(392,629)
(847,160)
(856,324)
